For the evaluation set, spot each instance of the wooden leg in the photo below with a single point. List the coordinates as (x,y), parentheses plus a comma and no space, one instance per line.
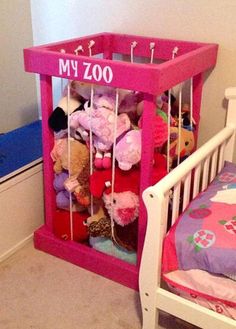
(149,312)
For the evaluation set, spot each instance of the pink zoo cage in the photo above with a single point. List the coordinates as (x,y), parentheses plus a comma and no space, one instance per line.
(60,60)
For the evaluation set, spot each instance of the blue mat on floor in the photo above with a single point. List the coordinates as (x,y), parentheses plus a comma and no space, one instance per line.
(20,147)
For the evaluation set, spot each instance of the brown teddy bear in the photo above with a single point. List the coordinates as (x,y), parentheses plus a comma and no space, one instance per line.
(79,158)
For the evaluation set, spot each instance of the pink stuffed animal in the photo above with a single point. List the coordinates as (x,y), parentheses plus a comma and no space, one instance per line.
(128,150)
(125,203)
(101,120)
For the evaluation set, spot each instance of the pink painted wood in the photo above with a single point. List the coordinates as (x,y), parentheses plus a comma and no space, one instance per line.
(151,78)
(192,60)
(48,142)
(108,266)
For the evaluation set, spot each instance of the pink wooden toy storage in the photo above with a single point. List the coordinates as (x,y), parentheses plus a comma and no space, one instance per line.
(192,61)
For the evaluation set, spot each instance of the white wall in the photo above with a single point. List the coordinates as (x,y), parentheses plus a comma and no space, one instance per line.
(18,101)
(201,20)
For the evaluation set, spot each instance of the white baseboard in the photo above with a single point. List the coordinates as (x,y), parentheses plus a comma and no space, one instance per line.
(22,209)
(15,248)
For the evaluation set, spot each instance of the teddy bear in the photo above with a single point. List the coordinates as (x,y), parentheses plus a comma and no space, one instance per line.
(81,191)
(78,181)
(79,156)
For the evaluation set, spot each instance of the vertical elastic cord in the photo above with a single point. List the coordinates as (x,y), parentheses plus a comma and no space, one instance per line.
(69,158)
(191,102)
(90,45)
(180,123)
(132,46)
(174,52)
(152,48)
(91,141)
(113,162)
(168,130)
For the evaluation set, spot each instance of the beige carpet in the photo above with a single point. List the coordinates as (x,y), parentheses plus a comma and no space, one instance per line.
(39,291)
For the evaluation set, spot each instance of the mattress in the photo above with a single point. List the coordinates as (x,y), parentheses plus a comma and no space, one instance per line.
(199,251)
(212,291)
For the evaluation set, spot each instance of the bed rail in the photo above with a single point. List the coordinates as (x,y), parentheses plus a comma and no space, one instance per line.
(178,188)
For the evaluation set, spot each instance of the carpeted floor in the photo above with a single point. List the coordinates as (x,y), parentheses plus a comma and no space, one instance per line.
(39,291)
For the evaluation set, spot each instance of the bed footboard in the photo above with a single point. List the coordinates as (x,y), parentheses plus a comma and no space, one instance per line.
(187,180)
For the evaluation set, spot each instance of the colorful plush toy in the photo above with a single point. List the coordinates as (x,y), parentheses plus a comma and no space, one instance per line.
(126,193)
(63,196)
(83,89)
(107,246)
(99,224)
(101,120)
(82,192)
(124,206)
(79,156)
(160,129)
(128,150)
(58,119)
(61,225)
(129,103)
(180,146)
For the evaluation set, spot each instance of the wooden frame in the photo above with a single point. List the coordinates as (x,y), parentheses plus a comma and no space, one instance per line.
(60,60)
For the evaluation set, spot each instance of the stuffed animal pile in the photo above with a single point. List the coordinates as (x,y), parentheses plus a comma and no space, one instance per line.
(105,201)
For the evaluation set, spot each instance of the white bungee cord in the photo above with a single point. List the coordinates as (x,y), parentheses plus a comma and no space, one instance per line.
(152,48)
(113,163)
(174,53)
(191,104)
(69,158)
(79,49)
(132,46)
(90,46)
(91,143)
(179,123)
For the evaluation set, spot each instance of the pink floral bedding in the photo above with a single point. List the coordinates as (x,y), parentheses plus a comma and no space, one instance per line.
(204,237)
(212,291)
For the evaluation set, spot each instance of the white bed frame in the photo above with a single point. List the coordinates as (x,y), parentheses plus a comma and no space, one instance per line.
(197,171)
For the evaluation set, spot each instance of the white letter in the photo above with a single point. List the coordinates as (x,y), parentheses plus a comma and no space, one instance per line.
(64,67)
(86,72)
(107,74)
(97,72)
(74,65)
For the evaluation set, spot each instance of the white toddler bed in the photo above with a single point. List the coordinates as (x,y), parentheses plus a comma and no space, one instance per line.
(167,203)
